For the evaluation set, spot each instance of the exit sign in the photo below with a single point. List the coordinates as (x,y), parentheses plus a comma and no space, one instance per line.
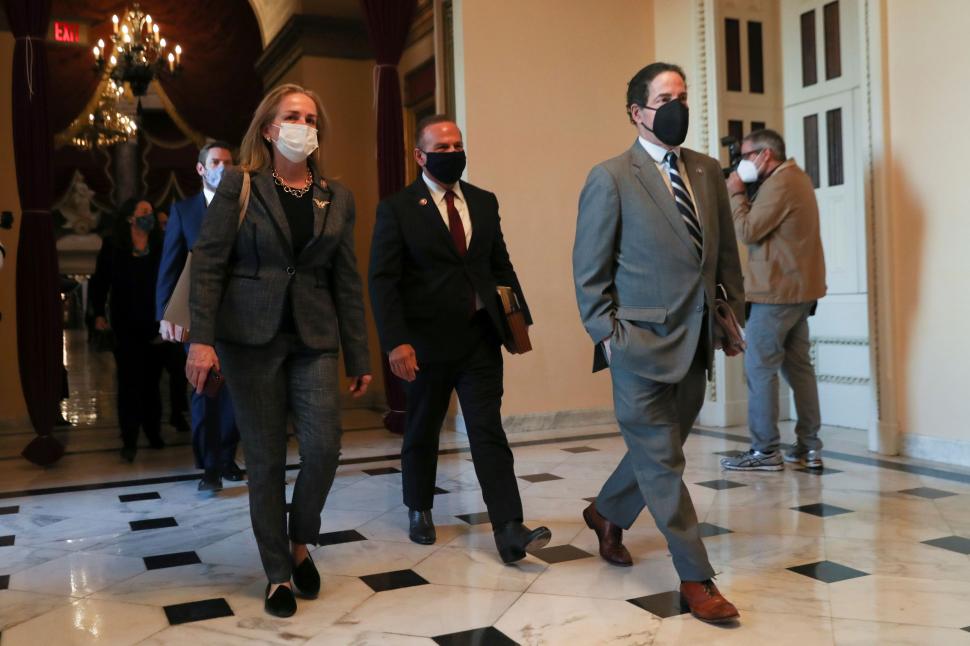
(67,32)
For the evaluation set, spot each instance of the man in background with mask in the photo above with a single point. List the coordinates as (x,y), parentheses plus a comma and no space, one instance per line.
(214,433)
(436,259)
(784,279)
(653,239)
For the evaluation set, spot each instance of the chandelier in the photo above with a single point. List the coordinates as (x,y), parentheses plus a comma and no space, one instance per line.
(105,126)
(137,52)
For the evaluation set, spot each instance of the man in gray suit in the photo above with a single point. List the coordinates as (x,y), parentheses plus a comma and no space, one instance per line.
(653,238)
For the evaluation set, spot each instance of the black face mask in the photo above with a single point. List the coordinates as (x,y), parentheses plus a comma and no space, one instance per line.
(670,122)
(445,167)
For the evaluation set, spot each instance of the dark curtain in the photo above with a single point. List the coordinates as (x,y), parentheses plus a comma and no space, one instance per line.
(388,22)
(38,303)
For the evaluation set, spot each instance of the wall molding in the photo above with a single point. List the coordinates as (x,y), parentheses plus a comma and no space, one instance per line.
(548,421)
(312,35)
(938,449)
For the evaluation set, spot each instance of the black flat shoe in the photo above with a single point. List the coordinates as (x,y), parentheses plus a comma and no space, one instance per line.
(210,481)
(513,540)
(421,527)
(233,473)
(306,578)
(282,603)
(128,453)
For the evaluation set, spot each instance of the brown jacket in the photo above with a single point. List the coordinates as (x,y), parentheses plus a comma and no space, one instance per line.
(786,264)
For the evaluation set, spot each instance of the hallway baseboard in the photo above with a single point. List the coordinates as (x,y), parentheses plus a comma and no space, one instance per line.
(544,421)
(938,449)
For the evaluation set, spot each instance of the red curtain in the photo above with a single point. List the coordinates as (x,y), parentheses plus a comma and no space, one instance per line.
(388,22)
(38,304)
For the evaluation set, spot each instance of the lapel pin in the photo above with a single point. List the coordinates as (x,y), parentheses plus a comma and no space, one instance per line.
(423,201)
(700,171)
(320,203)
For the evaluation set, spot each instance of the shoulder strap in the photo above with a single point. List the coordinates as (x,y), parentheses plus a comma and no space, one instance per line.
(243,199)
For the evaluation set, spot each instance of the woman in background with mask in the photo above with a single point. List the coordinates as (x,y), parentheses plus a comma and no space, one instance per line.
(275,295)
(122,298)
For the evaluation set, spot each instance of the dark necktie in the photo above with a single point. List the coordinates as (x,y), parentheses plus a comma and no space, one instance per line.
(684,204)
(454,224)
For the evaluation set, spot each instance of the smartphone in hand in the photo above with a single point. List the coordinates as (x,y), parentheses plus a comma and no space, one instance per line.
(213,382)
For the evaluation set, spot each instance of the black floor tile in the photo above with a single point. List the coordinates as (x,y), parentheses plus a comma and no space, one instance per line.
(663,605)
(822,510)
(580,449)
(479,518)
(928,492)
(707,530)
(135,497)
(540,477)
(490,636)
(346,536)
(7,541)
(823,471)
(160,561)
(152,523)
(438,491)
(4,581)
(957,544)
(393,580)
(593,499)
(720,485)
(9,510)
(184,613)
(382,471)
(828,571)
(560,554)
(966,629)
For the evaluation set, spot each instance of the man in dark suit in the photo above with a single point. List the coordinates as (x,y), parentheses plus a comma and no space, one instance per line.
(214,432)
(436,259)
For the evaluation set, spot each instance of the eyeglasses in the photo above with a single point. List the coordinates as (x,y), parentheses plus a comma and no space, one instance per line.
(748,154)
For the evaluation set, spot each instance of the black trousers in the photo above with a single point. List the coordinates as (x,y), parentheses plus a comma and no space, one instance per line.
(173,358)
(477,378)
(139,366)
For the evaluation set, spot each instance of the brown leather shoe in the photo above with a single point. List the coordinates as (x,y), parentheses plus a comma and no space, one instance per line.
(610,536)
(706,603)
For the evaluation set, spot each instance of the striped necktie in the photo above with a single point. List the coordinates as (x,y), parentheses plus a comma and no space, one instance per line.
(684,204)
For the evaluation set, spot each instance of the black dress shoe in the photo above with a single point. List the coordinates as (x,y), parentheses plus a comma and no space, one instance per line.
(282,603)
(210,481)
(232,472)
(513,540)
(156,442)
(422,527)
(179,424)
(128,453)
(306,578)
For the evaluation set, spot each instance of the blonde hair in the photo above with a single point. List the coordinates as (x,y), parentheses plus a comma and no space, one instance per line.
(255,153)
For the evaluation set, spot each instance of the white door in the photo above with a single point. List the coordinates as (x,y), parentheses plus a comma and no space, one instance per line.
(822,112)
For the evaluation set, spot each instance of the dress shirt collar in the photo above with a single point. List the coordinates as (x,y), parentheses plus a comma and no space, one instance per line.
(438,191)
(656,152)
(209,194)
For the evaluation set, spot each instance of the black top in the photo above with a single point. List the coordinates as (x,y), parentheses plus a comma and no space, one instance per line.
(127,282)
(299,215)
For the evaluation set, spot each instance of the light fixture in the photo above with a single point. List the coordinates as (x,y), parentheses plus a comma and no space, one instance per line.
(137,52)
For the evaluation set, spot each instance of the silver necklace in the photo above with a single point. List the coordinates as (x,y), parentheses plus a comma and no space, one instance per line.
(295,192)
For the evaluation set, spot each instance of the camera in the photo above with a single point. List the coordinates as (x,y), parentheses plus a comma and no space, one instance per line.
(734,154)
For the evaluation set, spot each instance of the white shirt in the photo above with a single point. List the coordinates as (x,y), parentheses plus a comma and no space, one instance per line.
(657,154)
(208,193)
(438,197)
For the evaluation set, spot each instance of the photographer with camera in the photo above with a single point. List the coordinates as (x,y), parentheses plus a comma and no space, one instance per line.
(783,280)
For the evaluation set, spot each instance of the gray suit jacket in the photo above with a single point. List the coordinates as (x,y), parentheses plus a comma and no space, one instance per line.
(240,280)
(638,279)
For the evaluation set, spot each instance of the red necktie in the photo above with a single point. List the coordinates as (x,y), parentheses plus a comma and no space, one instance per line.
(454,224)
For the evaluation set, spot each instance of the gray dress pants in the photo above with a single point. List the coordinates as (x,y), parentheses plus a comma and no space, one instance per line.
(655,419)
(268,384)
(778,339)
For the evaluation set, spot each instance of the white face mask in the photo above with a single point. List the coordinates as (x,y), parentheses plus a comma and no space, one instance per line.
(296,141)
(747,171)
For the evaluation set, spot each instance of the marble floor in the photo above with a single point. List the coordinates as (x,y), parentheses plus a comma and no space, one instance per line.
(866,551)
